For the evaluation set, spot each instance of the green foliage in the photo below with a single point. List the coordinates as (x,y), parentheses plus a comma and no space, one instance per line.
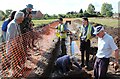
(80,15)
(1,14)
(106,9)
(109,14)
(46,16)
(5,14)
(86,14)
(91,9)
(61,15)
(8,11)
(81,11)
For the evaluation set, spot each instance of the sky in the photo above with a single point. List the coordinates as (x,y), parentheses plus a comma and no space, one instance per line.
(56,6)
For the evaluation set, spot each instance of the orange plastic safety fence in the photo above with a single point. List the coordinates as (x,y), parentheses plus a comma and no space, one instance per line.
(14,53)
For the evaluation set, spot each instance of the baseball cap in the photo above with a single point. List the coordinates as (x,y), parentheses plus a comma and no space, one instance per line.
(30,6)
(98,29)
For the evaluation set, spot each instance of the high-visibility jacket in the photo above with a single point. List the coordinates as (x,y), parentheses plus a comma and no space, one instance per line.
(88,33)
(61,31)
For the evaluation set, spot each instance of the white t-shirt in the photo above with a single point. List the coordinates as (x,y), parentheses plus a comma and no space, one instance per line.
(105,46)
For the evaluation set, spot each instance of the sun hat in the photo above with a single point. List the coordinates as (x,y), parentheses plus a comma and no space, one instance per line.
(30,6)
(98,29)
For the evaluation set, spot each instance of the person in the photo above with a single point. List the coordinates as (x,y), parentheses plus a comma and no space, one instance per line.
(86,34)
(5,23)
(24,26)
(65,62)
(62,30)
(106,46)
(13,31)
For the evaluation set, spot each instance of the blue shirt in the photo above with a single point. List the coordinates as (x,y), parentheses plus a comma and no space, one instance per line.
(4,25)
(105,46)
(64,62)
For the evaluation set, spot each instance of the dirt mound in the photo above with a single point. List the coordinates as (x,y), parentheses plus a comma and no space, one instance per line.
(77,74)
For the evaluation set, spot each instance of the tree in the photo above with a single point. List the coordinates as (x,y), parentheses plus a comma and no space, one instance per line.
(8,11)
(106,9)
(86,14)
(109,14)
(46,16)
(2,15)
(81,11)
(91,9)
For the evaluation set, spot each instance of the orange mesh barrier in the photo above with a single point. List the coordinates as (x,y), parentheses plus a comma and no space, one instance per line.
(14,53)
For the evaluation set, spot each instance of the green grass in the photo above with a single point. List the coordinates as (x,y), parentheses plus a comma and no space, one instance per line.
(37,22)
(41,22)
(1,23)
(105,21)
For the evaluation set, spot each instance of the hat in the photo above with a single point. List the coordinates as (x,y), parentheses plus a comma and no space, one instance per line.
(30,6)
(98,29)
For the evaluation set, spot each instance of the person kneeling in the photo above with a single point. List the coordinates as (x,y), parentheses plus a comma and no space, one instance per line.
(65,63)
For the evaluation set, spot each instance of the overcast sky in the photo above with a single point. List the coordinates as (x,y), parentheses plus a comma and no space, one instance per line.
(56,6)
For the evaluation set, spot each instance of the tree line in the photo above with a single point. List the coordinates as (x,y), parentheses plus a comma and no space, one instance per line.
(106,11)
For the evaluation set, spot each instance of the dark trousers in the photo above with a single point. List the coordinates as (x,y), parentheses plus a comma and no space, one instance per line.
(63,47)
(85,46)
(101,67)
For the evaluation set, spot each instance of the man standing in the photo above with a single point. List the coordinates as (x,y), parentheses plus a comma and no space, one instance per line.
(86,34)
(12,50)
(62,35)
(25,25)
(106,46)
(5,23)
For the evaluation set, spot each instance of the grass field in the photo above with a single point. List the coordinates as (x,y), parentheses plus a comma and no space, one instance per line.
(40,22)
(37,22)
(105,21)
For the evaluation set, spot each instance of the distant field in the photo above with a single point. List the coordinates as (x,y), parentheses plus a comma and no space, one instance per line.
(37,22)
(105,21)
(40,22)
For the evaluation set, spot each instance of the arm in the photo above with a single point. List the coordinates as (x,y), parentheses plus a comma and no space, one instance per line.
(4,26)
(116,55)
(64,67)
(115,49)
(76,64)
(93,32)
